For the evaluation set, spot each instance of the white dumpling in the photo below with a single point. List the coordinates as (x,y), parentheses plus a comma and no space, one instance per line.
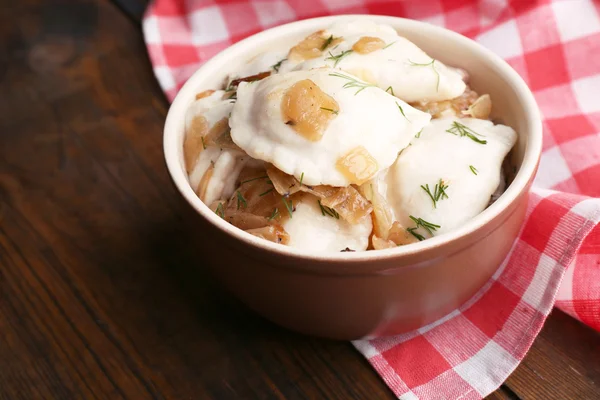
(225,164)
(368,121)
(469,170)
(400,64)
(310,230)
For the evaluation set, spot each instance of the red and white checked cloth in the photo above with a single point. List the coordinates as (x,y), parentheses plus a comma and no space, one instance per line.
(555,46)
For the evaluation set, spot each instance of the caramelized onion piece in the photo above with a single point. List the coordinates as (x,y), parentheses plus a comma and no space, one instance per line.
(256,207)
(273,233)
(453,107)
(380,244)
(358,166)
(481,108)
(255,195)
(382,213)
(397,236)
(349,203)
(204,94)
(400,236)
(245,220)
(308,110)
(193,142)
(312,46)
(283,183)
(220,135)
(252,78)
(368,44)
(203,185)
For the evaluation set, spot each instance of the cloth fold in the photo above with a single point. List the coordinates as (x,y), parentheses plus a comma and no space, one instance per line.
(553,45)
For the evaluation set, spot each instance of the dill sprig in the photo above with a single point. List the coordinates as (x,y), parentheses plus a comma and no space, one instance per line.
(253,179)
(288,205)
(352,82)
(328,211)
(220,211)
(388,45)
(439,192)
(278,65)
(328,42)
(274,214)
(266,192)
(337,58)
(390,90)
(473,169)
(432,63)
(415,234)
(330,110)
(203,144)
(301,178)
(462,130)
(241,200)
(402,111)
(428,226)
(421,223)
(418,135)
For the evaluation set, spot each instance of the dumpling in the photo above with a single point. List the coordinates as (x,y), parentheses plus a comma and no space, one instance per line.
(377,54)
(316,228)
(448,174)
(213,161)
(322,126)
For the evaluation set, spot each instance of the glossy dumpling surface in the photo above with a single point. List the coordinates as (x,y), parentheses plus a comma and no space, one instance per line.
(322,126)
(377,54)
(457,163)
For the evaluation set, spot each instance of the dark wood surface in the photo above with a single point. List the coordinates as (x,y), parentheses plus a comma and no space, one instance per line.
(102,295)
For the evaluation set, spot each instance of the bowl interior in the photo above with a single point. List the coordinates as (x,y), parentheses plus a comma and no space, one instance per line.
(513,105)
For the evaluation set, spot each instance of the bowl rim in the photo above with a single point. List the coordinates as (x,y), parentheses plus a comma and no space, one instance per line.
(518,186)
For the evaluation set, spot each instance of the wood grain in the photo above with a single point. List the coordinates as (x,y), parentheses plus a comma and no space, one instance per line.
(102,294)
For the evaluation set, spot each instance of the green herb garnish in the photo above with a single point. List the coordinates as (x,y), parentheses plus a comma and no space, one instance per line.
(421,223)
(414,64)
(253,179)
(390,90)
(203,144)
(473,169)
(415,234)
(301,178)
(439,192)
(352,82)
(327,42)
(289,206)
(418,135)
(461,130)
(337,58)
(219,211)
(402,111)
(241,200)
(266,192)
(428,226)
(276,66)
(330,110)
(275,214)
(328,211)
(388,45)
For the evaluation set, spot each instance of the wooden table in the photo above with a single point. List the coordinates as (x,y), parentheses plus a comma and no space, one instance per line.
(102,295)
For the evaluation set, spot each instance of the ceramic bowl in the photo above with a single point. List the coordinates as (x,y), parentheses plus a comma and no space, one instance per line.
(374,293)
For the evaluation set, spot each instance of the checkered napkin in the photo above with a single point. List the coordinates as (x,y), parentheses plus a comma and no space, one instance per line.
(555,46)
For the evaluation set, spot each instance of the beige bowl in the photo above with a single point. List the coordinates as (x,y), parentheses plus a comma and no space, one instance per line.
(375,293)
